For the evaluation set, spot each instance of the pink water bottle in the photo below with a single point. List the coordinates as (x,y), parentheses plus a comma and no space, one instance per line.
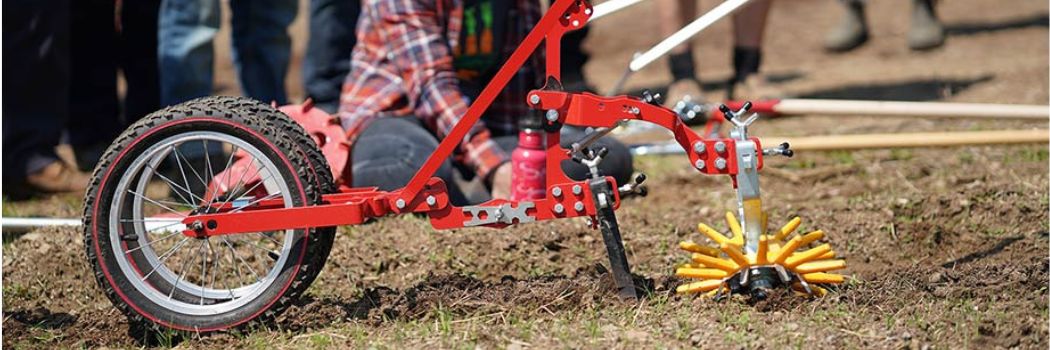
(529,177)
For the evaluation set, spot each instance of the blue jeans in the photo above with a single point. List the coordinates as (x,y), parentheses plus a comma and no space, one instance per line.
(261,47)
(327,61)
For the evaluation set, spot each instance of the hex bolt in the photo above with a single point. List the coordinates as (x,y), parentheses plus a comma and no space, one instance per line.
(720,146)
(700,164)
(400,203)
(556,191)
(577,190)
(431,200)
(634,111)
(720,163)
(534,99)
(699,147)
(558,208)
(578,206)
(552,116)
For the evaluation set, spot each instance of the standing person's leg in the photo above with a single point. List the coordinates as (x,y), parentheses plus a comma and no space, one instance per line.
(36,78)
(926,30)
(852,31)
(749,26)
(185,54)
(94,115)
(138,48)
(328,50)
(390,151)
(675,14)
(262,47)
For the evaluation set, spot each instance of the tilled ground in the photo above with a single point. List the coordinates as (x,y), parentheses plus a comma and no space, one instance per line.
(947,247)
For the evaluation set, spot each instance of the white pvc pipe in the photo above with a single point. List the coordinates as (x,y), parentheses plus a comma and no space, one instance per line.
(917,109)
(11,224)
(692,29)
(610,7)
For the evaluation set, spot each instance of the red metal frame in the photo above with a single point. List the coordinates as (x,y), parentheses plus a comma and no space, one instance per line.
(355,205)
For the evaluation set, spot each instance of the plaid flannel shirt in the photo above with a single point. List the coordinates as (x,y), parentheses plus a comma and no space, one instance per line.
(403,66)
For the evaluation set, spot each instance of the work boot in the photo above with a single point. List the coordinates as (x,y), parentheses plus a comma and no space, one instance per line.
(58,177)
(926,31)
(851,32)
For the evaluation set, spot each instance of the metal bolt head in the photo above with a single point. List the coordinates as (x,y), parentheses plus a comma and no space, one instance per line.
(400,203)
(720,163)
(578,206)
(700,164)
(720,146)
(699,147)
(534,99)
(552,116)
(558,208)
(556,191)
(431,200)
(577,190)
(635,111)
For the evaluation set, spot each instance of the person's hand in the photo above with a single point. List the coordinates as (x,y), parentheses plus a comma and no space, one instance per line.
(501,181)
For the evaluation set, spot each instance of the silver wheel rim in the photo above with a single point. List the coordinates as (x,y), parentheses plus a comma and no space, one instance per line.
(188,275)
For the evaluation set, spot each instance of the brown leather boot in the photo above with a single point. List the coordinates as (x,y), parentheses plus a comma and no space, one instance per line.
(58,177)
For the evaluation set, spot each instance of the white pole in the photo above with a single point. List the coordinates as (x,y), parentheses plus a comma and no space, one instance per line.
(11,224)
(917,109)
(610,7)
(692,29)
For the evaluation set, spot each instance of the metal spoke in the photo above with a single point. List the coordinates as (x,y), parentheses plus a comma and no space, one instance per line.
(167,255)
(256,245)
(239,183)
(234,252)
(229,162)
(157,204)
(192,169)
(181,171)
(182,274)
(204,268)
(172,185)
(150,243)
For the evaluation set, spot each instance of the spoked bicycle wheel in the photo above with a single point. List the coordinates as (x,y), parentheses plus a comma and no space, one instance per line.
(166,167)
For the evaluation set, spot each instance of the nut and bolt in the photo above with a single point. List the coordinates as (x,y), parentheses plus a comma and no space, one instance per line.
(699,147)
(634,111)
(558,208)
(400,203)
(577,190)
(197,226)
(556,191)
(700,164)
(720,163)
(578,206)
(552,116)
(431,200)
(720,146)
(534,99)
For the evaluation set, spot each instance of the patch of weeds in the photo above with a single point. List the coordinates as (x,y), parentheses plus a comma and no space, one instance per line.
(443,320)
(966,157)
(842,157)
(17,291)
(1034,155)
(801,164)
(901,154)
(320,341)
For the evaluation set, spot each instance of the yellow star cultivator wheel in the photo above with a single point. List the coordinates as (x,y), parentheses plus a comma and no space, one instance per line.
(777,261)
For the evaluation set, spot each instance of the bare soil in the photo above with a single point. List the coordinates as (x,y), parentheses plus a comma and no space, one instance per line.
(947,248)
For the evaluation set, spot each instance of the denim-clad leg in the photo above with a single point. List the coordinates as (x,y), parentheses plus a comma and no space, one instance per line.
(262,47)
(36,83)
(328,50)
(390,152)
(185,54)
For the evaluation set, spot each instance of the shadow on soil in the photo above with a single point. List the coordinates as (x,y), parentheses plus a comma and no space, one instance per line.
(971,28)
(915,90)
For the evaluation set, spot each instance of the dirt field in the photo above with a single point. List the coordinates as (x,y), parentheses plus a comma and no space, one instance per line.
(948,248)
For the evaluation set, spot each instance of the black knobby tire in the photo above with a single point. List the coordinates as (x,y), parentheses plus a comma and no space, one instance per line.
(104,233)
(321,236)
